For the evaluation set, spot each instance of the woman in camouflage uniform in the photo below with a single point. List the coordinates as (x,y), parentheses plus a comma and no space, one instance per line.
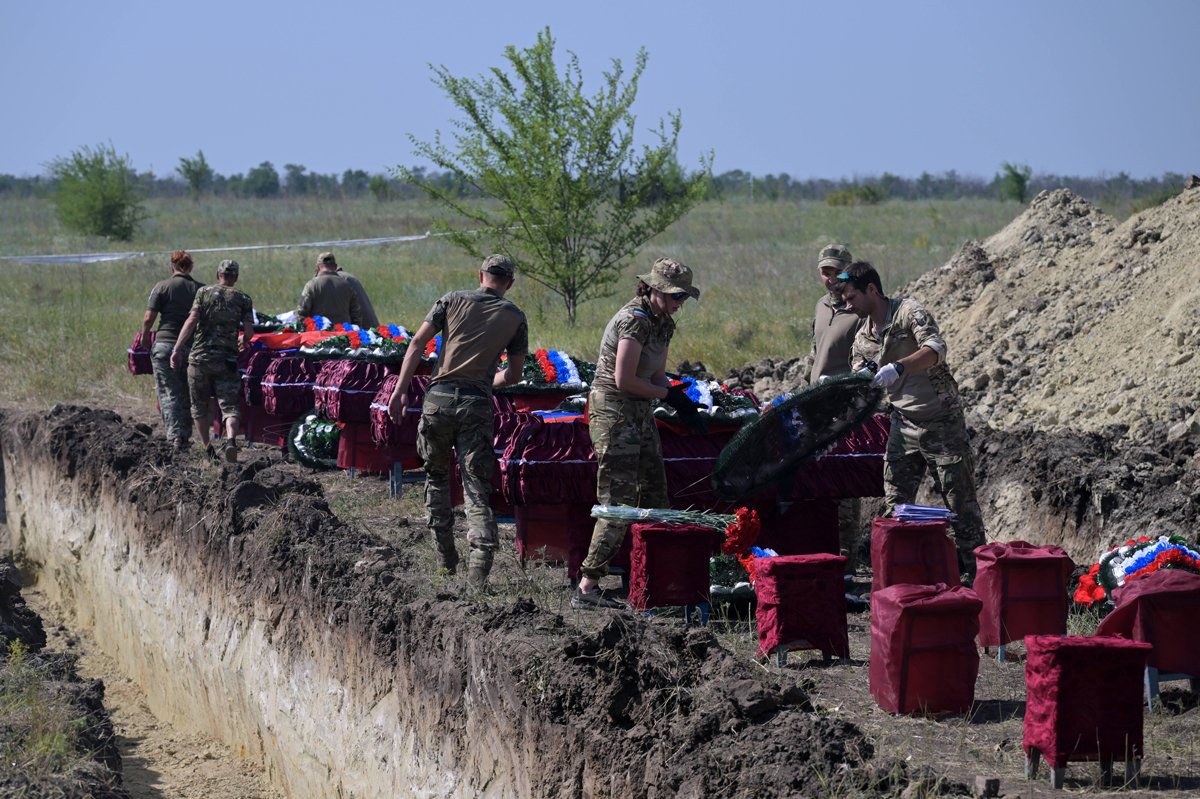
(631,372)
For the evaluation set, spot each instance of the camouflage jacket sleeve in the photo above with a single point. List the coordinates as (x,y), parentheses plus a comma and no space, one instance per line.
(247,310)
(921,324)
(635,325)
(858,352)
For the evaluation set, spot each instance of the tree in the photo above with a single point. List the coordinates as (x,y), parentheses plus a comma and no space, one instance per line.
(572,197)
(1014,185)
(197,173)
(262,181)
(98,193)
(297,182)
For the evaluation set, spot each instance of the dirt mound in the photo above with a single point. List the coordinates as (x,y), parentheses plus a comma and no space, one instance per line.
(611,704)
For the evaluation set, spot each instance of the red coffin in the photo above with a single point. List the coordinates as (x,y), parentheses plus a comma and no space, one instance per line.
(923,655)
(1023,589)
(918,553)
(345,389)
(669,564)
(1162,609)
(357,450)
(802,597)
(253,370)
(1083,698)
(287,386)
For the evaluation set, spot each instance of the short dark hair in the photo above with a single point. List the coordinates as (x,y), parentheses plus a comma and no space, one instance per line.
(861,274)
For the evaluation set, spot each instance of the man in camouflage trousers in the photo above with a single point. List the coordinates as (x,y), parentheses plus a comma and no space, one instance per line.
(172,299)
(218,313)
(928,430)
(476,327)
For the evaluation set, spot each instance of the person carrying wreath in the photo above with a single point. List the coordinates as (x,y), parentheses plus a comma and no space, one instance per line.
(631,372)
(171,301)
(476,326)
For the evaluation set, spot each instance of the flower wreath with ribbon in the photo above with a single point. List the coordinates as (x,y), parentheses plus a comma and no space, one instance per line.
(1136,558)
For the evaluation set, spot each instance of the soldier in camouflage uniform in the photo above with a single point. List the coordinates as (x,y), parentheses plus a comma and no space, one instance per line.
(928,430)
(631,372)
(218,313)
(171,300)
(476,327)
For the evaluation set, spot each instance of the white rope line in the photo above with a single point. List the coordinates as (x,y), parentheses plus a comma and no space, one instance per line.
(101,257)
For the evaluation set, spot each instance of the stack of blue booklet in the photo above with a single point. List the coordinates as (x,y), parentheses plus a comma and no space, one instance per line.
(922,513)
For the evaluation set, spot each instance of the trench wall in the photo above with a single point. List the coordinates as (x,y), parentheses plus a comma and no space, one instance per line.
(260,657)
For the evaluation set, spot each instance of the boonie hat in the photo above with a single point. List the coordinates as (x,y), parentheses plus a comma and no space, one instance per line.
(227,267)
(498,264)
(835,255)
(327,258)
(669,275)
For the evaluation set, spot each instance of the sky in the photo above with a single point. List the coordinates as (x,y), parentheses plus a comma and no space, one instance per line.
(811,89)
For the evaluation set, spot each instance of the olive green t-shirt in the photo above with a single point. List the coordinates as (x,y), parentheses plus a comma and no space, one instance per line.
(172,300)
(476,326)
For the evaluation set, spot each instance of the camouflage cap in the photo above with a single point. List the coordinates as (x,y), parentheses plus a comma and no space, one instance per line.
(669,275)
(327,259)
(835,255)
(500,265)
(227,267)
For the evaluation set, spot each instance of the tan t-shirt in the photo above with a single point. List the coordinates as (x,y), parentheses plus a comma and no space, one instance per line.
(476,326)
(331,295)
(907,328)
(172,300)
(833,334)
(636,321)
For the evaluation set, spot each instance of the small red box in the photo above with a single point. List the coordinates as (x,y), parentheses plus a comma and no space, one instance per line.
(1023,589)
(802,598)
(668,565)
(559,533)
(916,553)
(1083,698)
(357,449)
(923,655)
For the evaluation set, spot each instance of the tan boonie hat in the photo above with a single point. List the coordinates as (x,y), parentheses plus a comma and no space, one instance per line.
(327,259)
(668,275)
(227,267)
(835,255)
(500,265)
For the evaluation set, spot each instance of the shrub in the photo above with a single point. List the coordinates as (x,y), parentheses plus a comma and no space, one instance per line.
(98,193)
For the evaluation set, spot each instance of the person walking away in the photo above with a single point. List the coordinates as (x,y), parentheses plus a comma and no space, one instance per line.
(330,294)
(476,326)
(630,375)
(171,302)
(365,308)
(218,313)
(928,430)
(833,333)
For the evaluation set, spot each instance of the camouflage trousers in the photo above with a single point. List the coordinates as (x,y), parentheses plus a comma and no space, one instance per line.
(464,423)
(218,378)
(850,530)
(174,401)
(629,471)
(941,446)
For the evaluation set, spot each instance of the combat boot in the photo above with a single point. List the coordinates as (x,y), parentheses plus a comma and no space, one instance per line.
(478,569)
(447,553)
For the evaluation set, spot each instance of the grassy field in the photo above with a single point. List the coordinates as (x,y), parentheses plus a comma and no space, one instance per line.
(68,325)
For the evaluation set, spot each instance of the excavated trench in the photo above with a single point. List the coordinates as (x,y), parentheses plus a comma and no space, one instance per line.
(247,611)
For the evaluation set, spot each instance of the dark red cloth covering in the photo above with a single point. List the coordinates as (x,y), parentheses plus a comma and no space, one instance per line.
(496,500)
(548,464)
(920,553)
(357,449)
(253,368)
(400,439)
(1162,609)
(344,390)
(558,533)
(1083,698)
(669,564)
(538,401)
(287,386)
(801,527)
(923,655)
(1024,590)
(802,597)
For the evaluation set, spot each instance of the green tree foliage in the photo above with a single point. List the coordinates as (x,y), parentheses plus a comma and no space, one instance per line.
(98,193)
(381,188)
(1014,183)
(197,173)
(573,199)
(262,181)
(297,182)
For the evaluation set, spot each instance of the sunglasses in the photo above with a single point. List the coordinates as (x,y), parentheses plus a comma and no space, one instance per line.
(678,296)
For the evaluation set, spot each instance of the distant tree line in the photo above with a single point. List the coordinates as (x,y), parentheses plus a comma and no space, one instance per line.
(266,181)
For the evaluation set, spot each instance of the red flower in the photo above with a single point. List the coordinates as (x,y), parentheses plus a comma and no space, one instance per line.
(742,534)
(549,373)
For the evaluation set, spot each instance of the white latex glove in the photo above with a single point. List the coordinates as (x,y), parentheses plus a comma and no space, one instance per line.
(888,376)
